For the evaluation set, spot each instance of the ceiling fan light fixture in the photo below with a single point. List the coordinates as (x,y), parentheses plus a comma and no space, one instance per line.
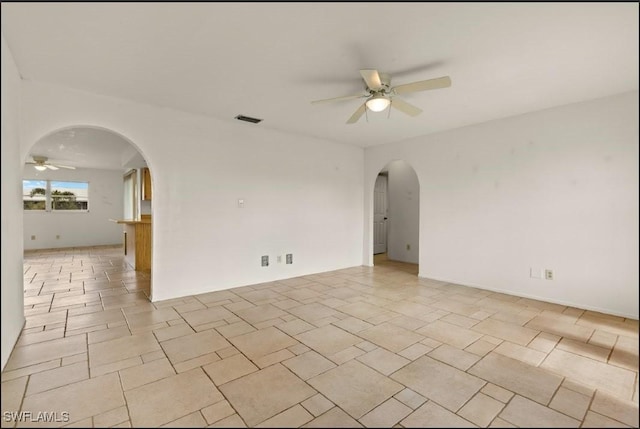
(40,167)
(378,103)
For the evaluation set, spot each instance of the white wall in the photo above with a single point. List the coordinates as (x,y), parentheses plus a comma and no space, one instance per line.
(404,212)
(553,189)
(302,195)
(91,228)
(11,285)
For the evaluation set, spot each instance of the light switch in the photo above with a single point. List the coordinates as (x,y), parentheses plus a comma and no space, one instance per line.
(240,203)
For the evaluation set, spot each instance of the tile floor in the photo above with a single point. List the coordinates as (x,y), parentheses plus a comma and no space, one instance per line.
(373,347)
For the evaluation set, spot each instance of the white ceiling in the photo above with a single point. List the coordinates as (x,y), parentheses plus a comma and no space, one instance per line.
(270,60)
(87,148)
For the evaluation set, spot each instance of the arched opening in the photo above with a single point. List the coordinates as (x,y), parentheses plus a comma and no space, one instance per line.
(396,217)
(79,184)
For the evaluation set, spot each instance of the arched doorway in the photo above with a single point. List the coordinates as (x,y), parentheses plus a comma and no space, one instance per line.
(396,217)
(71,203)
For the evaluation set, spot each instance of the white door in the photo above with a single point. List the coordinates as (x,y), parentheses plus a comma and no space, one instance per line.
(380,215)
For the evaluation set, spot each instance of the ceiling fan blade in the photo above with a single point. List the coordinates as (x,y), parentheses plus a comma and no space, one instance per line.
(51,167)
(346,97)
(357,115)
(372,78)
(63,166)
(423,85)
(405,107)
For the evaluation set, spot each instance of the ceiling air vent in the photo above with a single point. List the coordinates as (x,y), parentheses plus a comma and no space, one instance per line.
(248,119)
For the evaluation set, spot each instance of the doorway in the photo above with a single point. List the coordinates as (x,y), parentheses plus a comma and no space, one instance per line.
(396,217)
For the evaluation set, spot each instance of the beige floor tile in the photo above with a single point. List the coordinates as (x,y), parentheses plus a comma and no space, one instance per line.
(96,371)
(526,413)
(187,365)
(595,420)
(140,375)
(191,346)
(499,423)
(414,351)
(571,403)
(524,354)
(146,318)
(47,319)
(334,418)
(234,421)
(38,337)
(218,411)
(506,331)
(560,328)
(355,388)
(328,340)
(431,415)
(121,348)
(260,313)
(298,349)
(171,398)
(584,349)
(386,415)
(108,334)
(391,337)
(235,329)
(625,353)
(447,386)
(263,342)
(603,339)
(274,357)
(295,327)
(362,310)
(616,408)
(544,342)
(229,369)
(263,394)
(346,355)
(410,398)
(42,352)
(481,410)
(615,380)
(171,332)
(111,417)
(312,312)
(295,416)
(526,380)
(308,364)
(497,392)
(79,399)
(454,357)
(193,420)
(353,324)
(317,405)
(57,377)
(449,334)
(11,395)
(458,320)
(383,361)
(205,316)
(480,347)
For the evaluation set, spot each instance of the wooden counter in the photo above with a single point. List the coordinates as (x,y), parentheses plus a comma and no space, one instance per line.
(137,243)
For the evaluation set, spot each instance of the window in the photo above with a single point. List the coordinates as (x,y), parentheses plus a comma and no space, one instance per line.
(54,195)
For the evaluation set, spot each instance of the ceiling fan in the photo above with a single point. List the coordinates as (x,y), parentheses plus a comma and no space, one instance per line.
(380,94)
(40,163)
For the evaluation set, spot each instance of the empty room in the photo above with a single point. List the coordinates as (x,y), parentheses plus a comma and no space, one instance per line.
(320,214)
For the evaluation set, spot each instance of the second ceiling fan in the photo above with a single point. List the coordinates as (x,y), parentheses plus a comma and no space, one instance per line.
(380,94)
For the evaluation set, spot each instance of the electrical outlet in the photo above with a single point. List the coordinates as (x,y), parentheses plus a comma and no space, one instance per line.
(548,274)
(33,237)
(408,246)
(279,259)
(289,258)
(265,261)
